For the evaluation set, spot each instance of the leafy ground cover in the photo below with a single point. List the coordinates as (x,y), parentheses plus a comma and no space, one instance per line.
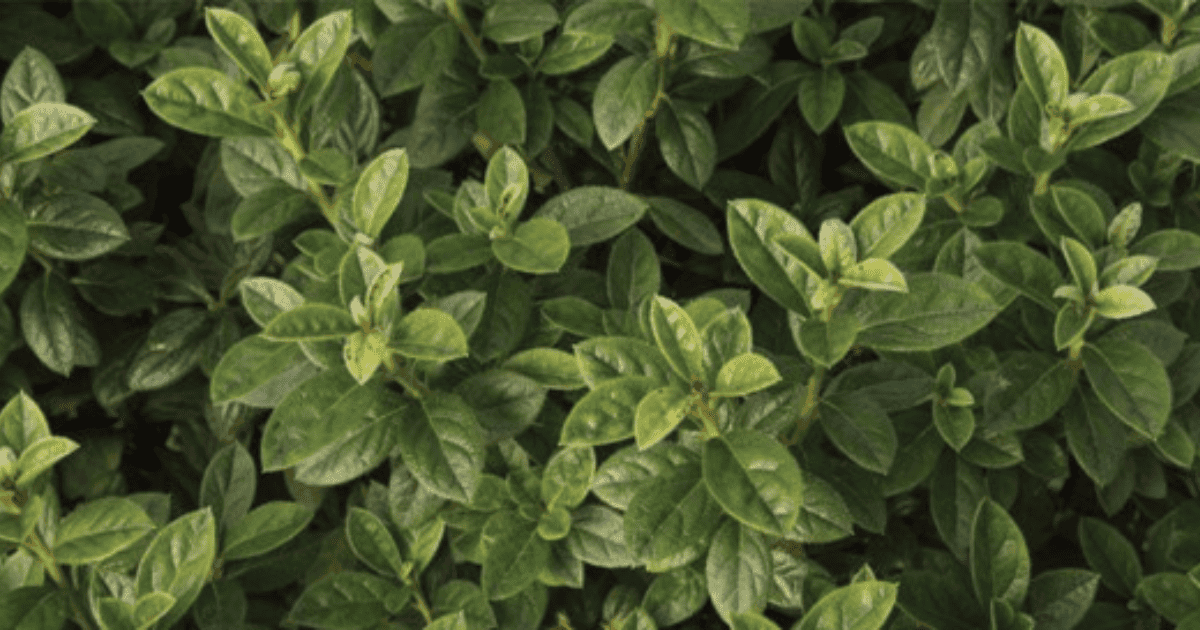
(621,314)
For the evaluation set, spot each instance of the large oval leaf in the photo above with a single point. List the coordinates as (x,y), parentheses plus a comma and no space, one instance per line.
(938,310)
(207,102)
(755,479)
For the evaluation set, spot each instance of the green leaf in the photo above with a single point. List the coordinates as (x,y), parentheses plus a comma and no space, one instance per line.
(378,191)
(178,561)
(310,322)
(515,555)
(255,164)
(207,102)
(755,479)
(671,519)
(1176,250)
(999,559)
(633,272)
(597,537)
(568,476)
(745,374)
(955,490)
(658,413)
(623,96)
(737,570)
(621,475)
(938,310)
(268,210)
(1131,382)
(887,223)
(685,225)
(429,333)
(820,97)
(824,516)
(726,335)
(228,486)
(956,425)
(859,606)
(754,227)
(318,52)
(593,214)
(506,184)
(892,152)
(1036,386)
(1042,65)
(1112,556)
(443,446)
(14,236)
(550,367)
(572,51)
(512,21)
(606,414)
(677,338)
(51,327)
(99,529)
(686,141)
(539,245)
(350,599)
(331,408)
(675,595)
(1095,437)
(811,38)
(42,129)
(1123,302)
(238,37)
(75,226)
(258,372)
(824,343)
(874,274)
(1080,211)
(362,354)
(412,51)
(501,113)
(371,542)
(967,40)
(31,79)
(1170,594)
(41,456)
(1022,268)
(861,429)
(457,252)
(265,528)
(720,24)
(1140,77)
(608,17)
(603,358)
(1059,598)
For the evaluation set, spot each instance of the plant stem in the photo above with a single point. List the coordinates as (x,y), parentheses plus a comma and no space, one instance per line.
(639,134)
(473,41)
(811,399)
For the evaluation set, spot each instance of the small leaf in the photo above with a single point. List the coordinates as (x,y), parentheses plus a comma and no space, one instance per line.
(745,374)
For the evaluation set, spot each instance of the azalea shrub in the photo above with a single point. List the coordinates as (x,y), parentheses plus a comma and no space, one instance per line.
(611,314)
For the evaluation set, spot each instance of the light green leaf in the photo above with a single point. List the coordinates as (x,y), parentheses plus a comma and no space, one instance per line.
(179,561)
(310,322)
(858,606)
(515,555)
(207,102)
(713,22)
(372,543)
(894,153)
(938,310)
(593,214)
(99,529)
(686,141)
(1042,65)
(538,245)
(1123,302)
(753,227)
(1131,382)
(623,97)
(378,191)
(745,374)
(874,274)
(671,519)
(238,37)
(41,456)
(42,129)
(318,52)
(429,333)
(658,413)
(887,223)
(999,558)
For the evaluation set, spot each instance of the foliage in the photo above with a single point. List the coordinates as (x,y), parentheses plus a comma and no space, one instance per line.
(911,353)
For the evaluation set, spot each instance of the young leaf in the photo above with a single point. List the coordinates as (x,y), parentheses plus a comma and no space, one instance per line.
(607,413)
(372,543)
(658,413)
(745,374)
(429,333)
(240,40)
(677,338)
(753,226)
(41,456)
(956,425)
(318,52)
(310,322)
(1082,265)
(874,274)
(966,38)
(1123,302)
(887,223)
(379,190)
(593,214)
(1042,65)
(824,343)
(362,354)
(179,561)
(31,79)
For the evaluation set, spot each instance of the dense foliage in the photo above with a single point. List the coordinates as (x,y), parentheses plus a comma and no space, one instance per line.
(622,314)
